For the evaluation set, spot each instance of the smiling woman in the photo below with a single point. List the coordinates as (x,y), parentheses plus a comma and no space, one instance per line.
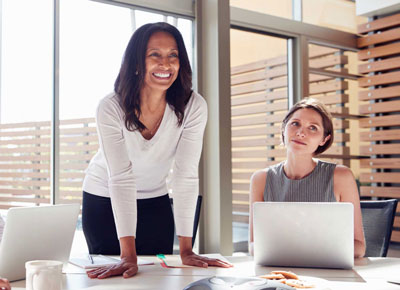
(152,121)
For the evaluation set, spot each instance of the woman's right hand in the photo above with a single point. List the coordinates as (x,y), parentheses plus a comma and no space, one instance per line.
(127,268)
(4,284)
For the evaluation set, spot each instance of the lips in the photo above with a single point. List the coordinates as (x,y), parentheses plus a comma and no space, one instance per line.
(298,142)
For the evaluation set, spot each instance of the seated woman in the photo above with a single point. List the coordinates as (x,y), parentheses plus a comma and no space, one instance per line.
(307,130)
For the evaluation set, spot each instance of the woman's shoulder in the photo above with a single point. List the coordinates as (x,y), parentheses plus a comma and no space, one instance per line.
(342,172)
(197,102)
(260,176)
(196,107)
(109,105)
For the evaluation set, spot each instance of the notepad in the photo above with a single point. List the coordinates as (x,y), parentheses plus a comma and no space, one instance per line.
(101,261)
(173,261)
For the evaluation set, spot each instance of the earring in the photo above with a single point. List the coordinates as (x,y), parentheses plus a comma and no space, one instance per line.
(136,73)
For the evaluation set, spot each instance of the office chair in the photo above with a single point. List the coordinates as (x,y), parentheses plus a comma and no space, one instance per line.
(378,217)
(196,218)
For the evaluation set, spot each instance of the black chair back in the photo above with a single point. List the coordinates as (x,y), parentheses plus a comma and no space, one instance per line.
(196,217)
(378,217)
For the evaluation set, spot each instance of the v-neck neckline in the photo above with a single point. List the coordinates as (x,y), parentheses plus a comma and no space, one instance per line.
(157,133)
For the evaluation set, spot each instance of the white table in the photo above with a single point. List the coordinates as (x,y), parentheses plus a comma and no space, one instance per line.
(368,273)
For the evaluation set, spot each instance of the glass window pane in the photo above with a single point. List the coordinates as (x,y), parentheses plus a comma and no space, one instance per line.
(335,14)
(282,8)
(259,102)
(25,102)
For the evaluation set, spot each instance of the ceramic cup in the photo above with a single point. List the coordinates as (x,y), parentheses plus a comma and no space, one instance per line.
(43,275)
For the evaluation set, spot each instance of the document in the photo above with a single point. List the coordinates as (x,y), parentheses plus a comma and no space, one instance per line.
(174,261)
(95,261)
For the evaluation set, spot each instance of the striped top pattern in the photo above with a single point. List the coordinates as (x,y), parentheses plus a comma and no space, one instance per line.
(315,187)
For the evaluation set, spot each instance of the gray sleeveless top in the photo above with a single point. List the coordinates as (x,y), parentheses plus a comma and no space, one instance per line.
(315,187)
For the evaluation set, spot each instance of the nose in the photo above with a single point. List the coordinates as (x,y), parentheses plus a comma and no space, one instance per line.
(164,62)
(300,132)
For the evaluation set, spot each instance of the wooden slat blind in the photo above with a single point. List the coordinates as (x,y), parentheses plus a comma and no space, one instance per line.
(379,44)
(25,161)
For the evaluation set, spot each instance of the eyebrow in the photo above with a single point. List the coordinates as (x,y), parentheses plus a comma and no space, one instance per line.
(155,48)
(312,123)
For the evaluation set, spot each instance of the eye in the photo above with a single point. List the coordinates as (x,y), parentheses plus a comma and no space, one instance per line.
(173,55)
(155,54)
(313,128)
(294,123)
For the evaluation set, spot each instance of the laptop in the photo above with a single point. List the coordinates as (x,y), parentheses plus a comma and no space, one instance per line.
(302,234)
(36,233)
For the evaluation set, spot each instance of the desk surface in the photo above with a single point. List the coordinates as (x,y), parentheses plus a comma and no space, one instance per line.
(368,273)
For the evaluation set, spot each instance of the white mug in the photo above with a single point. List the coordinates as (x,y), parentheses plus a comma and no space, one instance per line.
(43,275)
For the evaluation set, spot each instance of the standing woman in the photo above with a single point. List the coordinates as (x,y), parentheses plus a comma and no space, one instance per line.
(152,122)
(307,131)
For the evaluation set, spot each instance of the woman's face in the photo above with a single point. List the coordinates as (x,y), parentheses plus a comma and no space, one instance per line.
(162,61)
(304,132)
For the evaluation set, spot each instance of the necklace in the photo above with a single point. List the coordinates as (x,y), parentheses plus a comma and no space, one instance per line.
(153,131)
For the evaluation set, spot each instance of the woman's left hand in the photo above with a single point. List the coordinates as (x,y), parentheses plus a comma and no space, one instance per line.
(191,259)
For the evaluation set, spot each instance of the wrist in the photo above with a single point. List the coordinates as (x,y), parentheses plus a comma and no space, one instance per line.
(128,248)
(185,246)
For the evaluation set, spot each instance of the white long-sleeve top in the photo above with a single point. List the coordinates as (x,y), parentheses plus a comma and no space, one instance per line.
(129,167)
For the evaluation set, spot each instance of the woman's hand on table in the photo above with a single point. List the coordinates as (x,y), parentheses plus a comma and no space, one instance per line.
(4,284)
(191,259)
(127,268)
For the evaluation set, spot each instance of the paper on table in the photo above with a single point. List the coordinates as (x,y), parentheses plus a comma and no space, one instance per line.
(176,262)
(100,261)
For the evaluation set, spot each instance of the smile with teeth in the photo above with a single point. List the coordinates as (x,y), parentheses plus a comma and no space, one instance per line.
(162,75)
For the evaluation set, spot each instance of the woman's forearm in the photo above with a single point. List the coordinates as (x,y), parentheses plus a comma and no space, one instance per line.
(359,249)
(128,247)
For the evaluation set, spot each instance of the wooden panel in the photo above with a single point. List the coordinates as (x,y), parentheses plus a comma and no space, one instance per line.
(240,218)
(384,121)
(381,93)
(249,77)
(248,88)
(22,199)
(25,183)
(381,79)
(241,186)
(277,83)
(251,164)
(389,177)
(255,131)
(25,125)
(276,72)
(259,153)
(24,174)
(381,135)
(380,51)
(380,191)
(395,236)
(259,108)
(381,65)
(241,196)
(396,223)
(26,158)
(386,36)
(240,207)
(380,149)
(25,166)
(328,87)
(257,120)
(328,61)
(388,163)
(384,107)
(25,191)
(333,99)
(242,175)
(256,142)
(378,24)
(277,95)
(318,50)
(248,67)
(249,99)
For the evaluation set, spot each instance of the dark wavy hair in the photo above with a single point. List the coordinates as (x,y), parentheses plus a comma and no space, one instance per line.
(131,75)
(317,106)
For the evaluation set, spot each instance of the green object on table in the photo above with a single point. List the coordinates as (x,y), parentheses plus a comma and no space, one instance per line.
(162,257)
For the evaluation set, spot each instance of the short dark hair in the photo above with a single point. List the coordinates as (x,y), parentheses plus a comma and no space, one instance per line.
(310,103)
(131,75)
